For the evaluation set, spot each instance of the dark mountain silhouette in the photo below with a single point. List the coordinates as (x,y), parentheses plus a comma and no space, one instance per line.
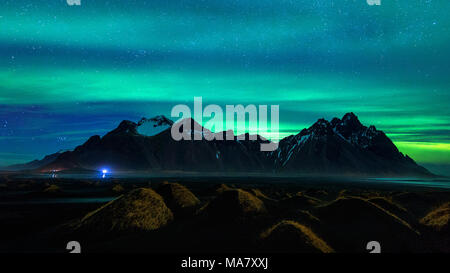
(35,164)
(125,149)
(342,146)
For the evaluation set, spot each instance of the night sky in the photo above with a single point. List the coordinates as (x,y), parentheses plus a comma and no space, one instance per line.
(69,72)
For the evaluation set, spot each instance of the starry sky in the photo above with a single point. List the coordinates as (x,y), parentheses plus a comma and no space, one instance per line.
(69,72)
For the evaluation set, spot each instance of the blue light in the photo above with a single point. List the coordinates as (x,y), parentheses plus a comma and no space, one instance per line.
(104,172)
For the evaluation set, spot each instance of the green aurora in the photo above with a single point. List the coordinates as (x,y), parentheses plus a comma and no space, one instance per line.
(68,72)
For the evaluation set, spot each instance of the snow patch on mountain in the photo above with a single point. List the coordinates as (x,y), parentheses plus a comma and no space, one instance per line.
(153,126)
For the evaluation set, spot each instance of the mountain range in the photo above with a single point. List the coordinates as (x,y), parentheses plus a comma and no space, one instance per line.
(340,146)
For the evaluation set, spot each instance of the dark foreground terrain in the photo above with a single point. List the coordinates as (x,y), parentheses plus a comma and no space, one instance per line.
(220,215)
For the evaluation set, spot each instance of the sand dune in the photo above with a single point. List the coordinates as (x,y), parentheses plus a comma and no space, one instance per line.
(350,222)
(177,197)
(438,218)
(141,209)
(235,203)
(290,236)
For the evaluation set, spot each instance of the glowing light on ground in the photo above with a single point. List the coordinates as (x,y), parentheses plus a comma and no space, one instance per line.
(104,172)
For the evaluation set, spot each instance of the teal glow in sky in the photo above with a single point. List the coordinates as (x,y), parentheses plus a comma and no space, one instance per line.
(68,72)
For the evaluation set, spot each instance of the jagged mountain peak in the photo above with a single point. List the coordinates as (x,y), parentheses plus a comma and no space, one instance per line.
(353,131)
(350,116)
(320,128)
(321,123)
(348,125)
(351,120)
(145,127)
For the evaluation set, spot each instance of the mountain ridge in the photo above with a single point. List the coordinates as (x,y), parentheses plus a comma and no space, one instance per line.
(340,146)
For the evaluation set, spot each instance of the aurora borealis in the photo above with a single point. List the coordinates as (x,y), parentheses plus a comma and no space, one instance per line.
(69,72)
